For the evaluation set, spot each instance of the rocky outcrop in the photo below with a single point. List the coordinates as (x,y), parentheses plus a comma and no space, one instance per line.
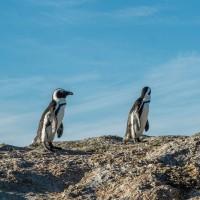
(165,167)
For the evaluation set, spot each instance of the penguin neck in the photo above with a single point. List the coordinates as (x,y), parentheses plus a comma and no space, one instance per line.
(61,101)
(60,110)
(146,99)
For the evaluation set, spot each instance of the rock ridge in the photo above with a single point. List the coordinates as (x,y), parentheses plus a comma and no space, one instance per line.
(160,167)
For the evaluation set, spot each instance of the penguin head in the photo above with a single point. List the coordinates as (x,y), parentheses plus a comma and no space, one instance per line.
(146,93)
(60,93)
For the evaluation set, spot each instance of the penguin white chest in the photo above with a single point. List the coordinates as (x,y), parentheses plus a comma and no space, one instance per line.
(144,116)
(60,116)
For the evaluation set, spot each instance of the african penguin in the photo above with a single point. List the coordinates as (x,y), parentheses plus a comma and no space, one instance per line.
(51,120)
(138,116)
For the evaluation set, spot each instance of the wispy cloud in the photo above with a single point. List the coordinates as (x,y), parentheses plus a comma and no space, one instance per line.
(54,13)
(133,12)
(60,3)
(18,129)
(174,104)
(175,88)
(173,110)
(24,100)
(81,15)
(107,126)
(97,108)
(72,12)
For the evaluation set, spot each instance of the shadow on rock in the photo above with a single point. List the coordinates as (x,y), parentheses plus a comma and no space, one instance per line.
(6,147)
(28,181)
(10,196)
(76,152)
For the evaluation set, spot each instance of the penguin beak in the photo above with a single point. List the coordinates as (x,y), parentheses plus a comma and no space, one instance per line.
(68,93)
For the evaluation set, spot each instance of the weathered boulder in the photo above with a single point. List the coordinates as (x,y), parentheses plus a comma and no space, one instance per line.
(164,167)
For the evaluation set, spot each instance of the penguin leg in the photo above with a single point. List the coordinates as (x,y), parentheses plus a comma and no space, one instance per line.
(132,127)
(128,135)
(125,139)
(48,148)
(137,140)
(54,147)
(133,134)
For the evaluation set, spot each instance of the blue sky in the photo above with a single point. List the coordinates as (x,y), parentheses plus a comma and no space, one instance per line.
(105,51)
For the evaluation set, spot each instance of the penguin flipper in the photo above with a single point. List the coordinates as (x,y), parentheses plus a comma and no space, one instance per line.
(60,130)
(147,125)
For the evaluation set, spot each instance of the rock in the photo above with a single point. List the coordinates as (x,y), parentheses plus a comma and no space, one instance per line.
(164,167)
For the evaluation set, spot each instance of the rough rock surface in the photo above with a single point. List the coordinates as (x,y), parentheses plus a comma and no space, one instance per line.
(165,167)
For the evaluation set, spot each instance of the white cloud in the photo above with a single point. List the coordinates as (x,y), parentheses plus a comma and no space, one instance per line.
(17,84)
(107,126)
(18,129)
(70,12)
(97,108)
(60,3)
(175,95)
(173,108)
(133,12)
(73,14)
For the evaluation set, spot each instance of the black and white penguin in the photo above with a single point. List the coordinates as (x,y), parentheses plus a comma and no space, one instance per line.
(51,120)
(138,116)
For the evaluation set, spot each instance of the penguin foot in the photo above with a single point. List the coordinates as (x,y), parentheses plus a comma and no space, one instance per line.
(59,148)
(54,147)
(51,150)
(124,141)
(137,140)
(48,148)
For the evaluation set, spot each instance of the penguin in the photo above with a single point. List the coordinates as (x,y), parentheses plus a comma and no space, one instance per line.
(51,120)
(138,116)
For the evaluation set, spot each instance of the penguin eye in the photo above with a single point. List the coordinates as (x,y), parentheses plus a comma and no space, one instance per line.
(61,91)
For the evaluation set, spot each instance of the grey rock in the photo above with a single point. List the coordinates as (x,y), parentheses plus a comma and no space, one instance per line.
(164,167)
